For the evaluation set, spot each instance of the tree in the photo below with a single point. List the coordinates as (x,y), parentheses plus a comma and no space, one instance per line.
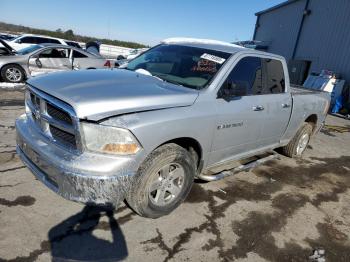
(69,33)
(59,30)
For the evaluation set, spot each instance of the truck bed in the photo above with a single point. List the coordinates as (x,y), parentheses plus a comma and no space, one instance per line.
(300,90)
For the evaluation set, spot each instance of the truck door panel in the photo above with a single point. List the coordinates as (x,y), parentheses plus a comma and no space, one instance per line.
(276,101)
(238,125)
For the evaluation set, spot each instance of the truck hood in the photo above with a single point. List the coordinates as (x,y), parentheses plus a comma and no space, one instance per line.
(98,94)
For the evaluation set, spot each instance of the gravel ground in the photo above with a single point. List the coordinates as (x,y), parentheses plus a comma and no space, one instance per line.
(281,211)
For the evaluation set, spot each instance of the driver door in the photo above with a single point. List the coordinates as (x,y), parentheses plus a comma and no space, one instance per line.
(239,118)
(50,60)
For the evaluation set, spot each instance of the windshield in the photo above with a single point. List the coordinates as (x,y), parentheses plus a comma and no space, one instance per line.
(29,49)
(183,65)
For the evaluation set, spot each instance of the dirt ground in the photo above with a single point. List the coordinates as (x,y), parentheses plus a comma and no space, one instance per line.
(281,211)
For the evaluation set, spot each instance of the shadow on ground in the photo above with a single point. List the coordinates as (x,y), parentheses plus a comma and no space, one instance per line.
(74,239)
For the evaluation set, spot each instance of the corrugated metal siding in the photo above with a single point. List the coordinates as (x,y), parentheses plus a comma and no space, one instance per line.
(279,28)
(325,37)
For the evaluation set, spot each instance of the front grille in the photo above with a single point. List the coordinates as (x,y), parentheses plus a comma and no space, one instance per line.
(58,114)
(63,136)
(54,122)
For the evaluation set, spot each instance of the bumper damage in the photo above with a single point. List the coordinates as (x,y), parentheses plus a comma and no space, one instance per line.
(87,178)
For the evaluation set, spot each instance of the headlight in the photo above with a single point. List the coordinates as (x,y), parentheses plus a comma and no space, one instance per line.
(110,140)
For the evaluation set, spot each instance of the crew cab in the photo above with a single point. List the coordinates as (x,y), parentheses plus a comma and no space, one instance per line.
(144,132)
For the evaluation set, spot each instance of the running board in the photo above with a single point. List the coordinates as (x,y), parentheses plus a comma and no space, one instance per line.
(245,167)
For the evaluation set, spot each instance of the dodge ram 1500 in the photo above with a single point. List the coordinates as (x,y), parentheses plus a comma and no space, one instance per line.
(177,112)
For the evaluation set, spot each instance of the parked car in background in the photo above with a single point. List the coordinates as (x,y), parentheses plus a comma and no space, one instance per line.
(46,58)
(7,37)
(136,52)
(186,108)
(121,60)
(26,40)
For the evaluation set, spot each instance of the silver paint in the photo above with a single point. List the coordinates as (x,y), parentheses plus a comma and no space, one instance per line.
(157,112)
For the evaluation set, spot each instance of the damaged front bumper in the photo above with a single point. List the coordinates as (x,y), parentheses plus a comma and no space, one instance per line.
(88,178)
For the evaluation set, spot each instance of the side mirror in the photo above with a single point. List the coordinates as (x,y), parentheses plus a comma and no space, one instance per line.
(232,89)
(38,63)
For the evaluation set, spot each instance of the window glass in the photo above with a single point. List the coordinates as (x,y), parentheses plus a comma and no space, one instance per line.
(275,82)
(73,44)
(28,40)
(182,65)
(246,76)
(55,53)
(41,40)
(53,41)
(77,54)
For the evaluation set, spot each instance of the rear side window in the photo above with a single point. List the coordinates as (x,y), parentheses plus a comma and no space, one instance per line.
(77,54)
(53,41)
(275,82)
(43,40)
(27,40)
(73,44)
(247,76)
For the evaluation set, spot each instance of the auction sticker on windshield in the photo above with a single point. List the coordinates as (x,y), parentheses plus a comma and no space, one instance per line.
(213,58)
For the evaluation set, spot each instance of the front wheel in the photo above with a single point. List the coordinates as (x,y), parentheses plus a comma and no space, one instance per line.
(163,181)
(298,144)
(12,74)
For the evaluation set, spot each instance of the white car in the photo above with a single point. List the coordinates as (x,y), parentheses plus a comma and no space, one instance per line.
(136,52)
(26,40)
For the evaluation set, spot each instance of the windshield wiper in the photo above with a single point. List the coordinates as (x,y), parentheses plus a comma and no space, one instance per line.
(175,82)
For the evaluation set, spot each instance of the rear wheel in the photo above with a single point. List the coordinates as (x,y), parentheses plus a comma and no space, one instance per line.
(12,74)
(298,144)
(163,181)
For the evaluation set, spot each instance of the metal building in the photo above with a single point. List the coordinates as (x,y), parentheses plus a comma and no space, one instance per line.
(311,34)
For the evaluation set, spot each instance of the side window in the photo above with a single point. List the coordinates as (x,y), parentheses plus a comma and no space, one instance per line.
(77,54)
(246,77)
(41,40)
(54,53)
(53,41)
(27,40)
(275,82)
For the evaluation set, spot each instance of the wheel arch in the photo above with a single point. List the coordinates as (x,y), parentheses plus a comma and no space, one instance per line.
(312,120)
(191,145)
(16,64)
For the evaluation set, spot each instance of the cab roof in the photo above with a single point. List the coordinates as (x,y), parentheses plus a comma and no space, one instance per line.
(214,45)
(205,43)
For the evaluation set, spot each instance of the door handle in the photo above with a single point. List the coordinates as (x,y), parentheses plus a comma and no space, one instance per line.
(285,105)
(258,108)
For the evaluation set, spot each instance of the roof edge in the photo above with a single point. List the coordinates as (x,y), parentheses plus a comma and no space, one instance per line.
(276,7)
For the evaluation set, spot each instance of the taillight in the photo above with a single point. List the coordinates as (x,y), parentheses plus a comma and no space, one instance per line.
(107,64)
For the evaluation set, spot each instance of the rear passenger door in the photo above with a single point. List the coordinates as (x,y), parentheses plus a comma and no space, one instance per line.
(276,102)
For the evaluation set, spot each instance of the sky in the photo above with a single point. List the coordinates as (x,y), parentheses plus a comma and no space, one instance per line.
(142,21)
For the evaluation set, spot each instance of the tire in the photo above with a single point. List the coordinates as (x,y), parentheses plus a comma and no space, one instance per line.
(13,73)
(169,171)
(298,144)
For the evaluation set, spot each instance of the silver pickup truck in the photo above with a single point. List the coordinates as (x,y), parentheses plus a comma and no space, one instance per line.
(177,112)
